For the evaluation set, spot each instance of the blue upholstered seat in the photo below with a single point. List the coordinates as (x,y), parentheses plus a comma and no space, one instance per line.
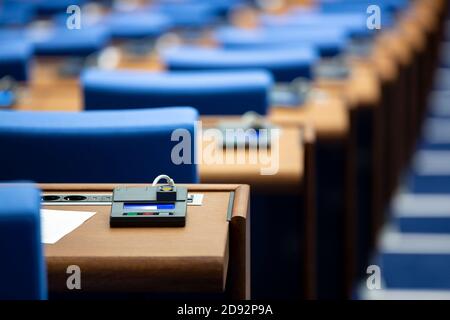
(131,25)
(421,213)
(60,41)
(430,173)
(15,57)
(438,104)
(350,24)
(329,42)
(212,93)
(341,6)
(436,134)
(96,146)
(22,267)
(350,14)
(16,13)
(217,6)
(51,7)
(187,15)
(65,42)
(414,261)
(416,270)
(442,79)
(284,64)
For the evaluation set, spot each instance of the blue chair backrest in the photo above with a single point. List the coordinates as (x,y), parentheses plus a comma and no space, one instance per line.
(97,146)
(416,270)
(211,93)
(352,23)
(430,173)
(60,41)
(15,58)
(435,134)
(52,7)
(438,104)
(16,13)
(187,15)
(414,261)
(421,213)
(134,25)
(22,270)
(65,42)
(285,64)
(329,42)
(386,6)
(217,6)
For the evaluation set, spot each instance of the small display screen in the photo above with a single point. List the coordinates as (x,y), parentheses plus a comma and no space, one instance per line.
(148,206)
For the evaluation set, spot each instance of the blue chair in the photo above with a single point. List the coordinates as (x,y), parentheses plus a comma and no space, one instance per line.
(430,173)
(211,93)
(16,14)
(52,7)
(421,213)
(445,54)
(284,64)
(22,270)
(387,6)
(329,42)
(350,24)
(442,79)
(351,14)
(136,25)
(61,41)
(435,134)
(98,146)
(187,14)
(414,261)
(15,58)
(221,7)
(438,104)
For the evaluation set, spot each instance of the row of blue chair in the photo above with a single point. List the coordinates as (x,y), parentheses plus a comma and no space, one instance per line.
(413,251)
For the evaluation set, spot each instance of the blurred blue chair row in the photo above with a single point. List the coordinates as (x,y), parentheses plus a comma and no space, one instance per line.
(58,41)
(111,147)
(414,266)
(414,249)
(284,65)
(328,41)
(211,93)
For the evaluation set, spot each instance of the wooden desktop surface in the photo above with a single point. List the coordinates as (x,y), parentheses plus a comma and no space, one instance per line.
(190,259)
(288,156)
(328,116)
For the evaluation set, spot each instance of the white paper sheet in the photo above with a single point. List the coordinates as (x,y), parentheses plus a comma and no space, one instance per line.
(55,224)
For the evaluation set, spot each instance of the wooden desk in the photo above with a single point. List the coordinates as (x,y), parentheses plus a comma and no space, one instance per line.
(209,255)
(47,90)
(329,115)
(288,178)
(291,189)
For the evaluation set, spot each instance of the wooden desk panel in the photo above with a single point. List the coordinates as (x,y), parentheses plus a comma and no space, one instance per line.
(200,257)
(328,117)
(290,165)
